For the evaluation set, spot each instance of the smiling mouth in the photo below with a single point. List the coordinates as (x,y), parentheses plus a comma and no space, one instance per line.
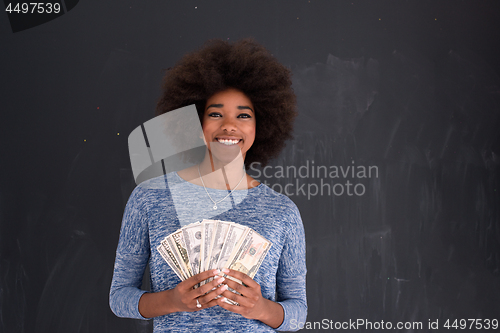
(228,142)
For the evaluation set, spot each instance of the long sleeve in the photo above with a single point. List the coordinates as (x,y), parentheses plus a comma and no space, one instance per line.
(291,276)
(132,256)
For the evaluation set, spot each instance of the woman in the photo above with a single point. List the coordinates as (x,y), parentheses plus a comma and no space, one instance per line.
(246,106)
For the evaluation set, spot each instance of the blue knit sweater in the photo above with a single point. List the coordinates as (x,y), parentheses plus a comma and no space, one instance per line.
(160,206)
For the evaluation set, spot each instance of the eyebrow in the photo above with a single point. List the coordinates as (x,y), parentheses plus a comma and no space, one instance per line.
(240,107)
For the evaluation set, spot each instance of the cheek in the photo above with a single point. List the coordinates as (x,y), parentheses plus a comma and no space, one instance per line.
(251,134)
(207,133)
(207,129)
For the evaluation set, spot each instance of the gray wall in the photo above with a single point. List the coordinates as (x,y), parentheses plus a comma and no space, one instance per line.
(408,87)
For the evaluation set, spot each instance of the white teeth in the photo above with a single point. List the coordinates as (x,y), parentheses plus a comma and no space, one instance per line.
(228,142)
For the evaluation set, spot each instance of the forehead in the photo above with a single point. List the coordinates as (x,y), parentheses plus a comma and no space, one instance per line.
(229,96)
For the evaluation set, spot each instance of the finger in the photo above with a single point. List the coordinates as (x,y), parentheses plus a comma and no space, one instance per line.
(203,304)
(230,307)
(195,279)
(241,300)
(213,294)
(242,290)
(239,287)
(207,287)
(241,276)
(211,303)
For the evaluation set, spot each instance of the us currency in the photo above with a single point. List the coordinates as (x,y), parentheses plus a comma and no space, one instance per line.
(250,254)
(179,249)
(214,244)
(219,236)
(235,234)
(206,244)
(192,235)
(166,253)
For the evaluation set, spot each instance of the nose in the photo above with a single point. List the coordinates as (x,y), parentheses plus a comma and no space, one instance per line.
(228,124)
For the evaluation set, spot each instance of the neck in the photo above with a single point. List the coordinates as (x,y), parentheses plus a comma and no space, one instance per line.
(223,176)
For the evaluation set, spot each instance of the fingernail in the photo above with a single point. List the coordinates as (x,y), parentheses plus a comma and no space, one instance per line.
(225,270)
(220,280)
(216,272)
(224,287)
(223,299)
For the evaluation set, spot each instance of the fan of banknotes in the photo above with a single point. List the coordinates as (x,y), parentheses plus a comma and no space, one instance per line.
(212,244)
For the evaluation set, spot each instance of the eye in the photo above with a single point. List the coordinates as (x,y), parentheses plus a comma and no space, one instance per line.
(244,115)
(214,114)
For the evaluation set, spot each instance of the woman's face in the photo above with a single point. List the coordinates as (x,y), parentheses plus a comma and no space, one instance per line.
(229,124)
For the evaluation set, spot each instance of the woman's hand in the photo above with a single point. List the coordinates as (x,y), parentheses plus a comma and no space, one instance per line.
(251,303)
(183,297)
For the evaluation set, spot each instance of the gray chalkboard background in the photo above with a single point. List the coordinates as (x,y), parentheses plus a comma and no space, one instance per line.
(410,88)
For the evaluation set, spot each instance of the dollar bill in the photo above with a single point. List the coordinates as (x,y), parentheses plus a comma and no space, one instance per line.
(235,235)
(176,243)
(250,254)
(219,236)
(192,236)
(168,256)
(206,244)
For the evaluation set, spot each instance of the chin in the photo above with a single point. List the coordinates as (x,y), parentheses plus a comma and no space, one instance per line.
(225,154)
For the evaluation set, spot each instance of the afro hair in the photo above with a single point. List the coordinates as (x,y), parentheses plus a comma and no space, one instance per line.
(244,65)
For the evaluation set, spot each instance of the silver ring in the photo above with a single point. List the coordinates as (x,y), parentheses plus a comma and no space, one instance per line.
(198,305)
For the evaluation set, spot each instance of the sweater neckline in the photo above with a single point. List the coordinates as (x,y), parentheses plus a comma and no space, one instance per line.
(180,179)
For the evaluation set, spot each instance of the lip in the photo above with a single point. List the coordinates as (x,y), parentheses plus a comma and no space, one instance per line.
(227,138)
(225,146)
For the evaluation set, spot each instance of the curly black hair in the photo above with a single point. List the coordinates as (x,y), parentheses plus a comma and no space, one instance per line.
(244,65)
